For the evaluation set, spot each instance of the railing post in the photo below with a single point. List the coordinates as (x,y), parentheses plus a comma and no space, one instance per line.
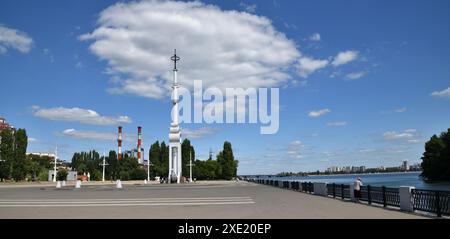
(438,205)
(406,198)
(369,196)
(383,189)
(342,191)
(334,190)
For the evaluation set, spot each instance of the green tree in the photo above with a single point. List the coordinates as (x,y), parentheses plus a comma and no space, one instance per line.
(436,158)
(111,170)
(20,150)
(128,167)
(6,153)
(154,157)
(227,162)
(186,150)
(88,162)
(164,159)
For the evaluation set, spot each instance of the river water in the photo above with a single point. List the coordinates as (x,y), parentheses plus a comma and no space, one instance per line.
(379,179)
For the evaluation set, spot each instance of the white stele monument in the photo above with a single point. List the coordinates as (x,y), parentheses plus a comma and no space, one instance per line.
(174,133)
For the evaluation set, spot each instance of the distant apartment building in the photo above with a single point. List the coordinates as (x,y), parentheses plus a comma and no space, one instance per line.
(4,125)
(42,154)
(405,165)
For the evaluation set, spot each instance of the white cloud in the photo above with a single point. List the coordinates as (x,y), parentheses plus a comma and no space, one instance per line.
(222,48)
(89,135)
(345,57)
(414,141)
(84,116)
(337,124)
(198,133)
(400,110)
(444,93)
(294,149)
(248,7)
(409,134)
(366,150)
(355,75)
(30,139)
(15,39)
(308,66)
(315,37)
(318,113)
(48,53)
(95,135)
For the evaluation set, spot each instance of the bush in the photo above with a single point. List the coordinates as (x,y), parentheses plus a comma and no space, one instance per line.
(43,175)
(138,174)
(124,175)
(61,175)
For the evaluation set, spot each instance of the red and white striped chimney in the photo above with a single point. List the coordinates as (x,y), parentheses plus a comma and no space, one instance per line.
(119,142)
(139,144)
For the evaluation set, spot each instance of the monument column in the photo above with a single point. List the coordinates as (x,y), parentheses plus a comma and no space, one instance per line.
(174,132)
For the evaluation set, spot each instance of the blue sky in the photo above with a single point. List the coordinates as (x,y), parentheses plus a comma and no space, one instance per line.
(361,82)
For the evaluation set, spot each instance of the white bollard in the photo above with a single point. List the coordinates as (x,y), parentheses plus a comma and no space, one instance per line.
(352,192)
(78,184)
(58,184)
(145,181)
(63,183)
(406,198)
(119,184)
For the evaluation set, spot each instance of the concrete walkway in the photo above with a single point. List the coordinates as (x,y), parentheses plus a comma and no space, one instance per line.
(196,200)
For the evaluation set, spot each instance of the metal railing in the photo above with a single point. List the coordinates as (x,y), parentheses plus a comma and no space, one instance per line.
(381,195)
(338,190)
(431,201)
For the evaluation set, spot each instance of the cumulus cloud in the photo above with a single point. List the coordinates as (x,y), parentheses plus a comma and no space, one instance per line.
(337,124)
(308,66)
(315,37)
(30,139)
(444,93)
(84,116)
(344,57)
(15,39)
(355,75)
(198,133)
(95,135)
(318,113)
(221,48)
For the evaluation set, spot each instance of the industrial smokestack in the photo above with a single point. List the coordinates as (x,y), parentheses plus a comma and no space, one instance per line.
(119,143)
(139,144)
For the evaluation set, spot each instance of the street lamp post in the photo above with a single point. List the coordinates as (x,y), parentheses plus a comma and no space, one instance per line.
(54,166)
(190,166)
(103,164)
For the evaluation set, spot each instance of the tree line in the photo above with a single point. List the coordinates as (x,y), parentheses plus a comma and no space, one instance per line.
(224,167)
(16,165)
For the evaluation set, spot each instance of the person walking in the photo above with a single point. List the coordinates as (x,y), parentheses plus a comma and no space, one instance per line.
(357,189)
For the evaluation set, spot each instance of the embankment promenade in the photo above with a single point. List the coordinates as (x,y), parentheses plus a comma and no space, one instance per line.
(214,199)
